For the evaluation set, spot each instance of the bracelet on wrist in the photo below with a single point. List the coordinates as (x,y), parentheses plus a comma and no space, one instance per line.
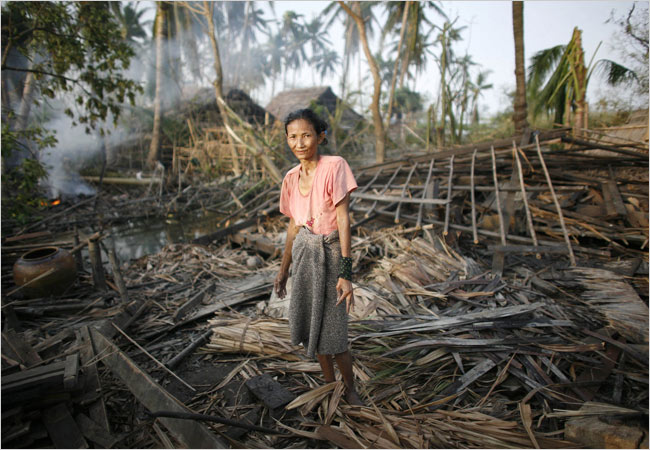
(345,268)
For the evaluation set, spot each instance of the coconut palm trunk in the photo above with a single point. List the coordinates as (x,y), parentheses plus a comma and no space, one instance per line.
(218,84)
(154,147)
(397,60)
(520,107)
(374,69)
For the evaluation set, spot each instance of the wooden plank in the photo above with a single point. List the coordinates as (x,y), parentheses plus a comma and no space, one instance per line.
(62,428)
(94,432)
(191,303)
(71,372)
(97,408)
(619,207)
(153,396)
(21,348)
(28,374)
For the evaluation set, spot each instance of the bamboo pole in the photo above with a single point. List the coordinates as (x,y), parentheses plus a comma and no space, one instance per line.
(384,189)
(161,365)
(502,231)
(424,192)
(471,177)
(529,217)
(557,203)
(365,188)
(406,183)
(449,192)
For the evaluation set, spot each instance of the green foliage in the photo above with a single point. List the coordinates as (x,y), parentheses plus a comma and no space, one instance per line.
(74,47)
(406,101)
(20,197)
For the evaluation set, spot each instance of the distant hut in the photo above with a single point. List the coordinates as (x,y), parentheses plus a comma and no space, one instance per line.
(287,101)
(203,107)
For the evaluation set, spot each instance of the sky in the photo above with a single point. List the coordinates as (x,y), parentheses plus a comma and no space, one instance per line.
(488,39)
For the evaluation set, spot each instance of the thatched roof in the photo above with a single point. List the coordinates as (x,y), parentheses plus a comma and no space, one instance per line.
(203,106)
(286,102)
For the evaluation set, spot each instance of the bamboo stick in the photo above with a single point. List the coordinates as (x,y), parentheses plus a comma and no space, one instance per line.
(424,192)
(365,188)
(406,183)
(502,231)
(471,178)
(449,188)
(161,365)
(529,217)
(557,203)
(384,189)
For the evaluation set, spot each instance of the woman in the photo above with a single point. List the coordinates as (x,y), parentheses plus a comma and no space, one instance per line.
(315,196)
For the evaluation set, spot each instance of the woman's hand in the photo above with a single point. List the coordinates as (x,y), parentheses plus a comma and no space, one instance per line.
(280,284)
(344,291)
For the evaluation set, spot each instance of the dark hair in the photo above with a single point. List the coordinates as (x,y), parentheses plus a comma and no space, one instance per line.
(310,116)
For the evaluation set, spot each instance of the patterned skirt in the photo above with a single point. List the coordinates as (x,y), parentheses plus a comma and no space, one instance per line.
(314,319)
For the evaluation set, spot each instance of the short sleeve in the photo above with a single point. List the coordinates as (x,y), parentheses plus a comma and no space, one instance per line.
(285,201)
(343,181)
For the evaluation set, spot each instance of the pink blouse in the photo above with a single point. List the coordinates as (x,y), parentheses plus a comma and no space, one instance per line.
(317,210)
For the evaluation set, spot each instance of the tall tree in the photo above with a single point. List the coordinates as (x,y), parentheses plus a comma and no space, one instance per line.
(520,108)
(376,95)
(218,82)
(351,35)
(447,35)
(154,146)
(397,60)
(558,80)
(477,88)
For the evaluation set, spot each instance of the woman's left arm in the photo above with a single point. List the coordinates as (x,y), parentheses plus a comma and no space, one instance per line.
(343,286)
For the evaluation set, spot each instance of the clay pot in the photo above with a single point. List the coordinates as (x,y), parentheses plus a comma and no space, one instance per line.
(39,261)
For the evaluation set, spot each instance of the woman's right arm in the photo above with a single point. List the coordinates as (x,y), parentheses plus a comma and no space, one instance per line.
(282,277)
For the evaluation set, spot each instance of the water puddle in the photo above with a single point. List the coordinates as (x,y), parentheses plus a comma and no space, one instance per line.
(136,239)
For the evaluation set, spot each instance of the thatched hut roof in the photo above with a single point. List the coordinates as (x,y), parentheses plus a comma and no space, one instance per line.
(203,106)
(287,101)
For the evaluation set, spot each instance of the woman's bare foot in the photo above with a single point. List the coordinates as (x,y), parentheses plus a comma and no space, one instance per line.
(353,398)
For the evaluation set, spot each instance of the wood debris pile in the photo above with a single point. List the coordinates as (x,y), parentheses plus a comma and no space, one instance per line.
(503,342)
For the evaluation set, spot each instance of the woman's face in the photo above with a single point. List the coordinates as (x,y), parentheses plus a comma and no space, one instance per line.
(303,140)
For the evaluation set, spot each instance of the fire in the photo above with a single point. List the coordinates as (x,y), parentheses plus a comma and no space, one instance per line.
(52,203)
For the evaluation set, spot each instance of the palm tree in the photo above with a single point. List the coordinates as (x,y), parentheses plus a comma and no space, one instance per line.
(374,69)
(351,48)
(130,20)
(326,63)
(415,37)
(477,88)
(294,37)
(558,80)
(253,21)
(275,51)
(520,107)
(463,97)
(446,37)
(154,147)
